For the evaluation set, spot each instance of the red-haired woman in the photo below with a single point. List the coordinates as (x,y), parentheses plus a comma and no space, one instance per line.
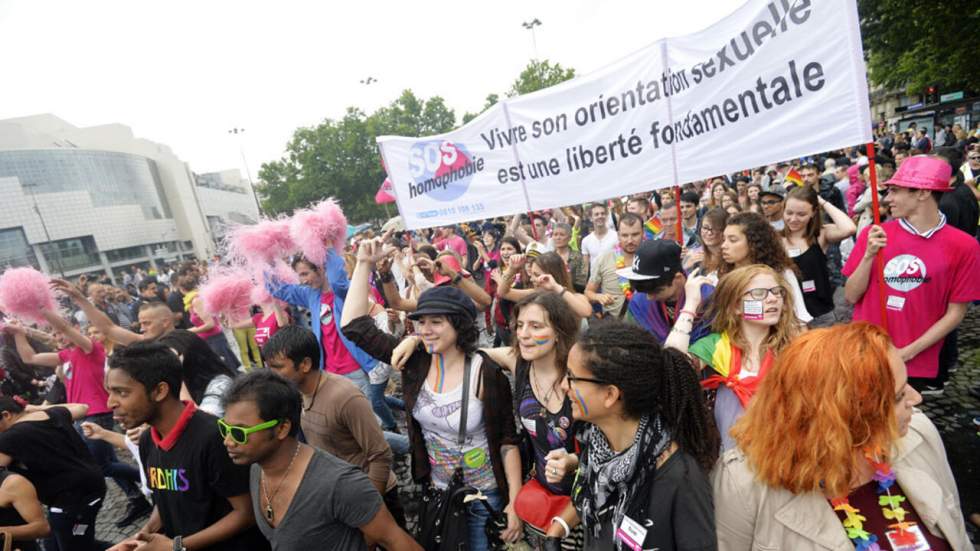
(833,455)
(752,321)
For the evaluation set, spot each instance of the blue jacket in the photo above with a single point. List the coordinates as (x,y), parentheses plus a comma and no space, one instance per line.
(309,298)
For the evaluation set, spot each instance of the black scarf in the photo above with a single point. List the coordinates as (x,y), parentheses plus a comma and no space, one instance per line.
(605,475)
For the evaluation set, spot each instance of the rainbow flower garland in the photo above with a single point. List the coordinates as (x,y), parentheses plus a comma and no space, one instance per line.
(891,508)
(624,284)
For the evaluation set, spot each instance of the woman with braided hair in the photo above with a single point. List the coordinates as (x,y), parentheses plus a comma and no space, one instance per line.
(642,482)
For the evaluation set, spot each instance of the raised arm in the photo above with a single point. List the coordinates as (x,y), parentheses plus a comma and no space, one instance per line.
(842,227)
(26,352)
(679,337)
(95,316)
(60,325)
(356,304)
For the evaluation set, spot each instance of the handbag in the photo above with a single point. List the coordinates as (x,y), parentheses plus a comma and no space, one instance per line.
(537,506)
(442,515)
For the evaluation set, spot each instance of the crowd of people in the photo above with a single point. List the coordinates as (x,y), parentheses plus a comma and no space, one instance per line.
(732,364)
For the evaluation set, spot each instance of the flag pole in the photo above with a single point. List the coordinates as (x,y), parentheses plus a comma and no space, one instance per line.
(677,205)
(879,267)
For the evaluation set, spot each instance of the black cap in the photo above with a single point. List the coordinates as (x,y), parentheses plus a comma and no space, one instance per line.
(655,259)
(444,300)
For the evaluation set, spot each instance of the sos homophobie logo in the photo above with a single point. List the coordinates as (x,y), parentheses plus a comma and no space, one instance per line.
(441,170)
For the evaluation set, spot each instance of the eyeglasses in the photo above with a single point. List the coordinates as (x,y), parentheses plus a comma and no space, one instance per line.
(707,229)
(240,434)
(974,157)
(761,292)
(771,202)
(573,379)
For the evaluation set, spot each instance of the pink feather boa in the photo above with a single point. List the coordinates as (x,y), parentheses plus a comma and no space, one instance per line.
(321,226)
(227,291)
(260,245)
(24,292)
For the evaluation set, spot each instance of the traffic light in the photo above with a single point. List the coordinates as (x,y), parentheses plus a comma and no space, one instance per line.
(932,95)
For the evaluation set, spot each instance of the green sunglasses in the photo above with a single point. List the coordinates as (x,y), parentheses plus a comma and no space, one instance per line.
(240,434)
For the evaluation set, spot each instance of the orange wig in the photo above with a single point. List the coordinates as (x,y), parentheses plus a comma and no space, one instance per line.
(830,394)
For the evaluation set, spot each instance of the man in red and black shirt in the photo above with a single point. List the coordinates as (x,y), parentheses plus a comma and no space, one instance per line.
(201,496)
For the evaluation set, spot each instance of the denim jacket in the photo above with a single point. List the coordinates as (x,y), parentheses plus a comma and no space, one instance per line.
(309,298)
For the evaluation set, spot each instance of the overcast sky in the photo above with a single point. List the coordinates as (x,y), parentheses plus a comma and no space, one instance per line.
(183,72)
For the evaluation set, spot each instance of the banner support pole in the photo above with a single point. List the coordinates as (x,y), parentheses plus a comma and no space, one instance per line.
(680,223)
(879,264)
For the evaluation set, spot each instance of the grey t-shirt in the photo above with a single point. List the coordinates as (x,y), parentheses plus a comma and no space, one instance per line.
(333,500)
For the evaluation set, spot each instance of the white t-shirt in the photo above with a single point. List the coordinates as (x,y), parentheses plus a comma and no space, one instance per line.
(594,247)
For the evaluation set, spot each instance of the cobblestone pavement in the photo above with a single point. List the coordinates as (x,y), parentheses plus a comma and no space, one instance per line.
(953,414)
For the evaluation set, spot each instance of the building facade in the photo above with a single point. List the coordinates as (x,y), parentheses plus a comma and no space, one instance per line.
(99,200)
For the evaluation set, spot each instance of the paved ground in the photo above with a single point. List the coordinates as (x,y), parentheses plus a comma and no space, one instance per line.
(952,413)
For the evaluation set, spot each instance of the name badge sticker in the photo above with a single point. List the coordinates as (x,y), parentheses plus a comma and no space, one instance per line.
(809,286)
(753,310)
(911,540)
(793,253)
(631,534)
(895,303)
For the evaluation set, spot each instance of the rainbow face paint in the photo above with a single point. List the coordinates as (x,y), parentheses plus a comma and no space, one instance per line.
(541,341)
(441,376)
(581,402)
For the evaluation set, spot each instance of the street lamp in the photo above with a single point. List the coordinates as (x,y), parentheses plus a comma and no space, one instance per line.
(248,173)
(44,226)
(529,25)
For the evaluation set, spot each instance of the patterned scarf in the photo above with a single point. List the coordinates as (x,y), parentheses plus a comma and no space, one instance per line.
(605,475)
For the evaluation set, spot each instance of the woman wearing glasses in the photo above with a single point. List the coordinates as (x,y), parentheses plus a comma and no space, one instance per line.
(649,443)
(707,257)
(750,239)
(752,321)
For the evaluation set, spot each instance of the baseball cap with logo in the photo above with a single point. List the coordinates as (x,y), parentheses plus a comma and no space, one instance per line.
(654,260)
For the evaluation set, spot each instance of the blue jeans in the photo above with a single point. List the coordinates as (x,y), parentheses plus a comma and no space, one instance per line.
(477,516)
(360,379)
(398,443)
(376,393)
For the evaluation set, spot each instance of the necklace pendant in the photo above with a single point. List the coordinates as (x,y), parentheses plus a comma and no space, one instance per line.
(268,512)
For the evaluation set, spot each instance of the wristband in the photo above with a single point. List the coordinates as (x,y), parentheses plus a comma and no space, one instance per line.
(457,279)
(179,544)
(386,277)
(693,315)
(564,525)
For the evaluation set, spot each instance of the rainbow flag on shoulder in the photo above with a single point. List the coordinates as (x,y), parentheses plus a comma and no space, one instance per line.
(652,227)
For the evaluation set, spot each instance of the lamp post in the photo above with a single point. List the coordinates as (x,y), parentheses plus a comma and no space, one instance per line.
(248,173)
(44,226)
(529,25)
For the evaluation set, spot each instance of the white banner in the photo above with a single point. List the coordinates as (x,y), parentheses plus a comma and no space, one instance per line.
(776,80)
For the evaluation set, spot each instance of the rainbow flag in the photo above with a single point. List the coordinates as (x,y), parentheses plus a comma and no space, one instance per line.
(652,227)
(793,177)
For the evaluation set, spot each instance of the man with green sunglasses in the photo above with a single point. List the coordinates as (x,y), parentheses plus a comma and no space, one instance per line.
(300,494)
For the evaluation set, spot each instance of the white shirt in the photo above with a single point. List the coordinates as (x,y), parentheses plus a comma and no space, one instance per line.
(594,247)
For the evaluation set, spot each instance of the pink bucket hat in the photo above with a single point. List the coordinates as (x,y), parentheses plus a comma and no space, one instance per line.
(922,172)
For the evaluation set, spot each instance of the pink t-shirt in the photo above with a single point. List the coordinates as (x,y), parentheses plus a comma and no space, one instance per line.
(84,377)
(197,322)
(264,328)
(336,357)
(454,243)
(923,275)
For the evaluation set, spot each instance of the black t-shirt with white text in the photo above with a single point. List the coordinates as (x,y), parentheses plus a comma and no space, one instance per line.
(192,480)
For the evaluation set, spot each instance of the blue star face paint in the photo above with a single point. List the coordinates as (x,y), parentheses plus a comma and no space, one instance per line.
(581,402)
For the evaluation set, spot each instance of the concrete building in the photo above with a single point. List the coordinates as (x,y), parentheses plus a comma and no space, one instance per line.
(226,199)
(98,199)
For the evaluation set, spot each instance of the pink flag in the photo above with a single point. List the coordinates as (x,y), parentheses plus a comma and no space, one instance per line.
(385,193)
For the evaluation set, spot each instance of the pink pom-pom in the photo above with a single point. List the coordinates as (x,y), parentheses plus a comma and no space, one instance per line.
(260,244)
(227,292)
(282,273)
(314,229)
(24,292)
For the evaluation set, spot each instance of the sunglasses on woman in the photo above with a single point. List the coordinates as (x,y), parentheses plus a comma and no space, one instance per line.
(240,434)
(761,292)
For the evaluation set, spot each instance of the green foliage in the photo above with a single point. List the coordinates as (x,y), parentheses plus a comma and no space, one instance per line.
(538,75)
(917,43)
(339,158)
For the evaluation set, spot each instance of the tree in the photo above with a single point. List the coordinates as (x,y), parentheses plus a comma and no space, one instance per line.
(918,43)
(339,158)
(536,76)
